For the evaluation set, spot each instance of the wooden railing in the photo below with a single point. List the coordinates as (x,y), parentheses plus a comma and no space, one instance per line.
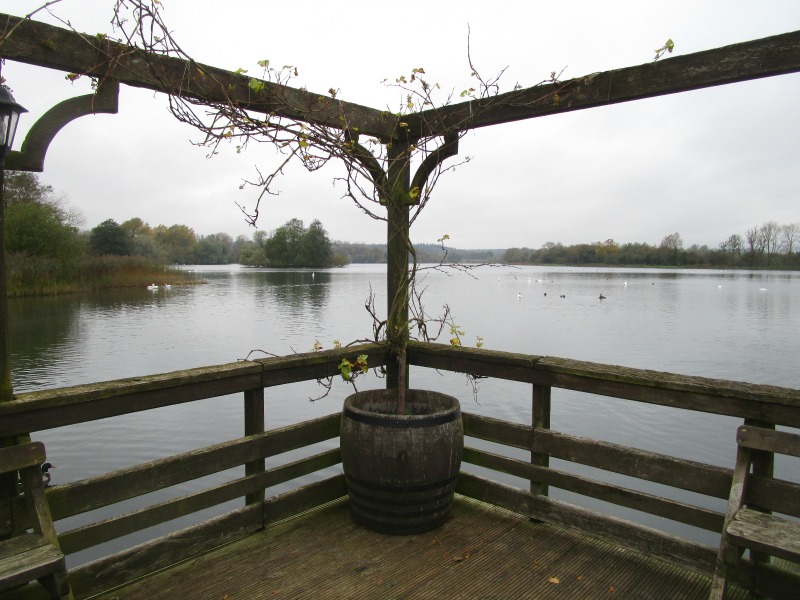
(762,405)
(33,412)
(37,411)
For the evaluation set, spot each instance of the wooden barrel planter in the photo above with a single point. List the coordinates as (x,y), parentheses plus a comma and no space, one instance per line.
(401,470)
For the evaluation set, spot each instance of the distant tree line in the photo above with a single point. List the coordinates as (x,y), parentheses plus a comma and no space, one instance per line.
(39,226)
(176,244)
(426,253)
(48,253)
(768,246)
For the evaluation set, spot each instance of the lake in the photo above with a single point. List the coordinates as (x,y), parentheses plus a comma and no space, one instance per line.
(740,325)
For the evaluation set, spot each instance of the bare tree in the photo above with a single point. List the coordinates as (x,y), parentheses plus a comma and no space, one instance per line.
(791,235)
(733,246)
(753,243)
(769,239)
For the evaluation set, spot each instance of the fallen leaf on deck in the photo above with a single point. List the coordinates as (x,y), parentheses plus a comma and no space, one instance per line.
(554,580)
(611,589)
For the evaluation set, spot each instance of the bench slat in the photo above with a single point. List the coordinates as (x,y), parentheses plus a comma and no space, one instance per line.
(22,456)
(759,438)
(773,535)
(25,563)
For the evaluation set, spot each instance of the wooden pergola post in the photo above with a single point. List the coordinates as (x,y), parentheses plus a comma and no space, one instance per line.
(397,240)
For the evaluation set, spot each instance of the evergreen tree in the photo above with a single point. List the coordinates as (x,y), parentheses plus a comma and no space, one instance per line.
(109,238)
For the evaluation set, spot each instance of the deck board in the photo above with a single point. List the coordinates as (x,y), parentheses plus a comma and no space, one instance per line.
(482,552)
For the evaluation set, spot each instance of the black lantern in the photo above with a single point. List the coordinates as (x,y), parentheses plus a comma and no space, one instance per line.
(9,116)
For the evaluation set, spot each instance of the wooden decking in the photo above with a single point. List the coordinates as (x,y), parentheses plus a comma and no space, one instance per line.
(482,552)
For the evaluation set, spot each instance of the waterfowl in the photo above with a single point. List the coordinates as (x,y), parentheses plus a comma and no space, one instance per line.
(45,473)
(602,297)
(152,286)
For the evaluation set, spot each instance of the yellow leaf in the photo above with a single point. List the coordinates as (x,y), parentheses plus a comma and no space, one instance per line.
(553,580)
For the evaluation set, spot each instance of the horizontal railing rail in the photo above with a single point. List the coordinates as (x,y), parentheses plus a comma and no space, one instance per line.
(762,404)
(37,411)
(765,403)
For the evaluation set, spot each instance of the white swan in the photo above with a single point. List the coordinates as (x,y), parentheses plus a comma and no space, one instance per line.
(152,286)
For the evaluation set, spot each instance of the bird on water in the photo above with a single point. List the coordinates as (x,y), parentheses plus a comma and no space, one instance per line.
(602,297)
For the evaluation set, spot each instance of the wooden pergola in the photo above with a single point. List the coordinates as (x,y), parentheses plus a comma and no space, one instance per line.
(53,47)
(43,45)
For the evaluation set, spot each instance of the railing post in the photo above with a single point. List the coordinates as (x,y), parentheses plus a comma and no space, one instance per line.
(540,419)
(254,423)
(763,466)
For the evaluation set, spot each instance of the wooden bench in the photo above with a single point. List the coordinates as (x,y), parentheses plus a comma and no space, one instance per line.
(33,555)
(754,529)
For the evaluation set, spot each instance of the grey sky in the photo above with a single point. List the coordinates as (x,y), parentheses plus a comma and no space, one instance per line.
(706,164)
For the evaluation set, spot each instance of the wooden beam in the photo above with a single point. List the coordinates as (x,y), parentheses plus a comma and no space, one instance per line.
(37,43)
(776,55)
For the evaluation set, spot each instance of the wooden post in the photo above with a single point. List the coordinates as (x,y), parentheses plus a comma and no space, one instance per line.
(540,418)
(8,481)
(6,391)
(763,465)
(397,208)
(254,423)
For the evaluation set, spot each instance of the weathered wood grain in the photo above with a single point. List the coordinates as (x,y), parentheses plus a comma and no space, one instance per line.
(775,55)
(82,496)
(162,552)
(35,411)
(779,495)
(673,510)
(771,535)
(769,440)
(308,366)
(497,430)
(310,496)
(642,464)
(97,533)
(763,403)
(675,550)
(483,552)
(541,405)
(37,43)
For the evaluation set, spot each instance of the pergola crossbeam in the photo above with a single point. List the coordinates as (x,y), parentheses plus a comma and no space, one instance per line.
(43,45)
(58,48)
(766,57)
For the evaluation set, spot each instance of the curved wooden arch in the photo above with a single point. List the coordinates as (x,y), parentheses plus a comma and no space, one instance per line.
(34,149)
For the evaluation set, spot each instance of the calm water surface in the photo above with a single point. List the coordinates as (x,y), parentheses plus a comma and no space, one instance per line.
(731,325)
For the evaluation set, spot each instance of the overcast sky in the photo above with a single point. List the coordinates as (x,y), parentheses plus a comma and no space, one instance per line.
(706,164)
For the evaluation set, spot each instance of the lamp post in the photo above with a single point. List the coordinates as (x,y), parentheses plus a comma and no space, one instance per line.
(9,117)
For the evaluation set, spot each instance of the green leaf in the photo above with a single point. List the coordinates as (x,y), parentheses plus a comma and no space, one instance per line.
(263,63)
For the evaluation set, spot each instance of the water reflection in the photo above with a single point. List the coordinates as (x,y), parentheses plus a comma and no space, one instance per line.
(293,290)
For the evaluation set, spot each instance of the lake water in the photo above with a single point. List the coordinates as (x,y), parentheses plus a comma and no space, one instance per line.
(741,325)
